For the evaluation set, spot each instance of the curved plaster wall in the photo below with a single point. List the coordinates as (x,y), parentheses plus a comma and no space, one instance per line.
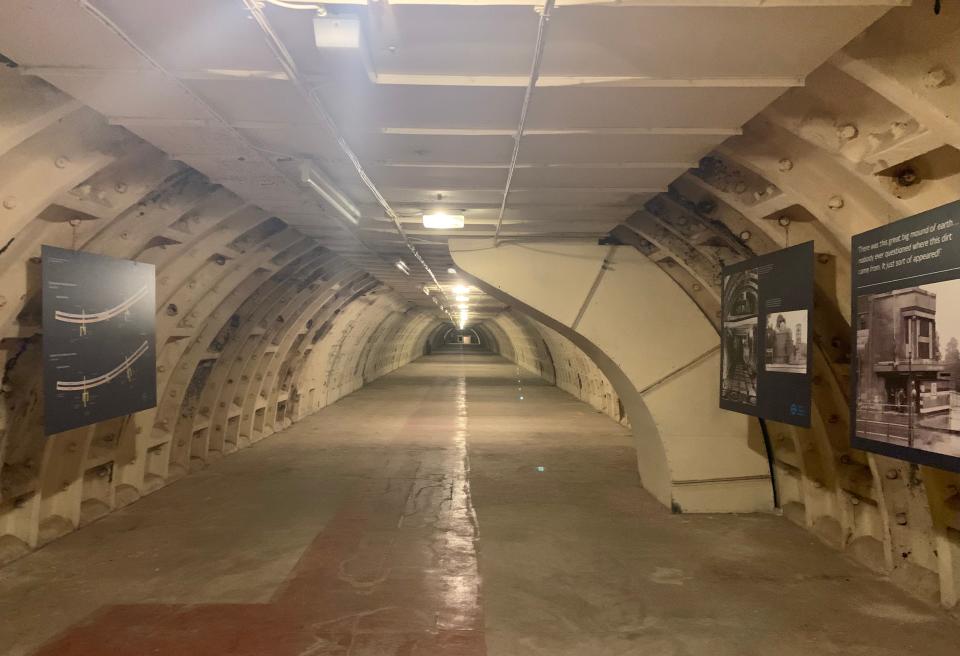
(257,325)
(872,136)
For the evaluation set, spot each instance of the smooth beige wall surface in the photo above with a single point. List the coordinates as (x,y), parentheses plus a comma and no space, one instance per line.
(658,340)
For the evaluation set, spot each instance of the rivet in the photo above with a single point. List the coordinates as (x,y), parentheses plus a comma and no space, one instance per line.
(848,132)
(893,474)
(784,221)
(697,287)
(785,164)
(817,484)
(9,202)
(74,223)
(901,519)
(61,162)
(935,78)
(120,187)
(835,202)
(124,235)
(855,500)
(745,235)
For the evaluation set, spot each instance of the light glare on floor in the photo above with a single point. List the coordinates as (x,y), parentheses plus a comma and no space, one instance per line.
(443,221)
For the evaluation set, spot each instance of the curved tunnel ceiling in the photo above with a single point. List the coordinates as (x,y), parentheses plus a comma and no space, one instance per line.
(177,133)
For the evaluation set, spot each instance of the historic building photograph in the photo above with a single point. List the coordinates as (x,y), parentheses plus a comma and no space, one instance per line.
(739,356)
(786,342)
(907,362)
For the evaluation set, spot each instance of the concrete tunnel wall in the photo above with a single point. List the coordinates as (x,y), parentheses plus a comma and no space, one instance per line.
(257,325)
(872,136)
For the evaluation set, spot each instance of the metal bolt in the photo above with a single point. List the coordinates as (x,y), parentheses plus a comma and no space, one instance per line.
(120,187)
(901,518)
(784,221)
(745,235)
(935,78)
(785,165)
(61,162)
(893,474)
(9,202)
(855,500)
(848,132)
(835,202)
(697,287)
(907,177)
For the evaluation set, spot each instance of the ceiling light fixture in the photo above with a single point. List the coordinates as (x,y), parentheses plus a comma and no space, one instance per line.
(463,297)
(443,221)
(328,192)
(452,270)
(403,267)
(336,31)
(461,289)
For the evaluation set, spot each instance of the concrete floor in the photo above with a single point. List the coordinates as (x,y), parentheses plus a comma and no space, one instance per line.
(447,509)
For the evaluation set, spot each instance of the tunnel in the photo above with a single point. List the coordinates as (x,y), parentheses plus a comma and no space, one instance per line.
(400,327)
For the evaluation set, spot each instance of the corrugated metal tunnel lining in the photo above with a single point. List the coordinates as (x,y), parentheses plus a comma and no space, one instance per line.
(194,136)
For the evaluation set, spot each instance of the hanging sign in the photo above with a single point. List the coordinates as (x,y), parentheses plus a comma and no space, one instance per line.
(99,351)
(905,372)
(765,335)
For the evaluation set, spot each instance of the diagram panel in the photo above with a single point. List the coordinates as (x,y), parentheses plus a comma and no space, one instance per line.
(99,344)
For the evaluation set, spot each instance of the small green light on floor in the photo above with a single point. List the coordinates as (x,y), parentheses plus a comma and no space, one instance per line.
(541,468)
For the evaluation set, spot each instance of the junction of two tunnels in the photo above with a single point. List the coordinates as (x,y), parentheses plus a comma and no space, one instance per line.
(402,328)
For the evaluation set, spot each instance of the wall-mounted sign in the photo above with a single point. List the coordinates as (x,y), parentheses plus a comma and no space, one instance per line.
(99,352)
(906,318)
(765,336)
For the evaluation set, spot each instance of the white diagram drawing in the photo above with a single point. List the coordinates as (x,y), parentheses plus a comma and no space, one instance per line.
(86,384)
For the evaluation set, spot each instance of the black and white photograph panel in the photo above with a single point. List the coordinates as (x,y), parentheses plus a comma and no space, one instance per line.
(738,380)
(908,365)
(741,298)
(786,342)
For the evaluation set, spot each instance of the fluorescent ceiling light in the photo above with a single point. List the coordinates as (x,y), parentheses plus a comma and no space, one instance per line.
(442,221)
(403,267)
(336,32)
(452,270)
(329,193)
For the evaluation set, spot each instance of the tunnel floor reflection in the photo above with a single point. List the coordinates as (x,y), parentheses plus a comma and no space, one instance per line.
(454,507)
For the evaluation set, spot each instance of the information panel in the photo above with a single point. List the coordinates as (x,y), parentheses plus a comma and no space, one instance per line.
(99,352)
(765,336)
(906,327)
